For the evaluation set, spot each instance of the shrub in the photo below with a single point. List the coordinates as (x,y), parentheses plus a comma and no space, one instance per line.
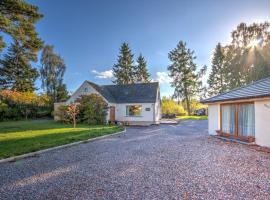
(62,115)
(93,109)
(169,107)
(3,110)
(23,105)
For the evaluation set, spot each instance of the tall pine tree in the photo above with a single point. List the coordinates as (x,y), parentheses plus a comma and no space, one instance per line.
(52,73)
(124,69)
(185,79)
(218,77)
(141,72)
(17,19)
(16,72)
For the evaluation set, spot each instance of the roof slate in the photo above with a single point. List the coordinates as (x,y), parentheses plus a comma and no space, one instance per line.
(130,93)
(260,88)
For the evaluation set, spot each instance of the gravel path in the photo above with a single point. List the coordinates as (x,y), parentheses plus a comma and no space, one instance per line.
(159,162)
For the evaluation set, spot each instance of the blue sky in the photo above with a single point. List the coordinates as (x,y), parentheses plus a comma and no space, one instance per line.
(88,33)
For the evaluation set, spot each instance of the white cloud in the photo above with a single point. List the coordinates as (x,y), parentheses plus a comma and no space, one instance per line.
(103,75)
(161,53)
(163,77)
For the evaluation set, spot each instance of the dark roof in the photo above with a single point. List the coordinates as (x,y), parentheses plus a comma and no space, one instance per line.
(103,91)
(130,93)
(260,88)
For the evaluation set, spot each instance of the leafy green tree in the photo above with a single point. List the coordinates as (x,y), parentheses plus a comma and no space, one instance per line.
(93,109)
(141,72)
(18,105)
(218,77)
(124,69)
(247,56)
(62,93)
(256,34)
(183,71)
(16,72)
(17,19)
(52,72)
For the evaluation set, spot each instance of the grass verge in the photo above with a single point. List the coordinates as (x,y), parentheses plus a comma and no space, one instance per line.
(20,137)
(192,117)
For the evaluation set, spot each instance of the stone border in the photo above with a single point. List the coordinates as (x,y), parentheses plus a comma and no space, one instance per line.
(251,145)
(32,154)
(232,140)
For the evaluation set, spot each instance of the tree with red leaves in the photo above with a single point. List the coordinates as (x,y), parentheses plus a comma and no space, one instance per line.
(72,112)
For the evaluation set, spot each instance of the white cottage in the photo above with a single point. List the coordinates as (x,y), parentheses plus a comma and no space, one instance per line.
(243,113)
(134,104)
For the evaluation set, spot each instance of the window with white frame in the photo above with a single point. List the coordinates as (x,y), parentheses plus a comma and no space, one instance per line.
(133,110)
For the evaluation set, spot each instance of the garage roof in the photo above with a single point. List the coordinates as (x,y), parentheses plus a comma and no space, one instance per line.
(258,89)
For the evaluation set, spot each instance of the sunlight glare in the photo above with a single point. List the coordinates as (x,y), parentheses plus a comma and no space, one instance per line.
(254,43)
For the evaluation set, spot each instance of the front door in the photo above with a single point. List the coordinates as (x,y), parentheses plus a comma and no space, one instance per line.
(112,113)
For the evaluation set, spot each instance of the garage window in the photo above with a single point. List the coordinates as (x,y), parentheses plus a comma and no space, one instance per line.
(133,110)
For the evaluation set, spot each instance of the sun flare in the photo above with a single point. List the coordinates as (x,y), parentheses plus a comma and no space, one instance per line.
(254,43)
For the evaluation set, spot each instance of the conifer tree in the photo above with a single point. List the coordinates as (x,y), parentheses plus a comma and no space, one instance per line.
(16,72)
(17,19)
(124,69)
(218,77)
(185,79)
(142,74)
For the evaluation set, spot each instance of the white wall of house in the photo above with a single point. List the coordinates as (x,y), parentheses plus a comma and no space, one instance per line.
(146,116)
(213,118)
(157,111)
(262,122)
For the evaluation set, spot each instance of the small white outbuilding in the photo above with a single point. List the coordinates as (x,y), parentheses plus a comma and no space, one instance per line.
(242,113)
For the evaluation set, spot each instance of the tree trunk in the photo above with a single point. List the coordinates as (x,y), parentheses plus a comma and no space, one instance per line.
(74,122)
(188,106)
(178,100)
(187,101)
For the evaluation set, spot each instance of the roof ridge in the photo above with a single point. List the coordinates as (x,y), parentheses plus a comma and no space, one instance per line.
(129,84)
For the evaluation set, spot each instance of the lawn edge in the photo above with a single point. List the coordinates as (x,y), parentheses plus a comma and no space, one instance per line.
(32,154)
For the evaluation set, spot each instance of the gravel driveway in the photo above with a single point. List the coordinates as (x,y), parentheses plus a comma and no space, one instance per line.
(159,162)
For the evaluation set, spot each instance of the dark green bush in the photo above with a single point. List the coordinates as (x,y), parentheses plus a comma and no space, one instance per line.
(61,114)
(92,109)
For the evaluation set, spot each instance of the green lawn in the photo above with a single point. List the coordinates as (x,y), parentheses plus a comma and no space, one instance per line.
(19,137)
(192,117)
